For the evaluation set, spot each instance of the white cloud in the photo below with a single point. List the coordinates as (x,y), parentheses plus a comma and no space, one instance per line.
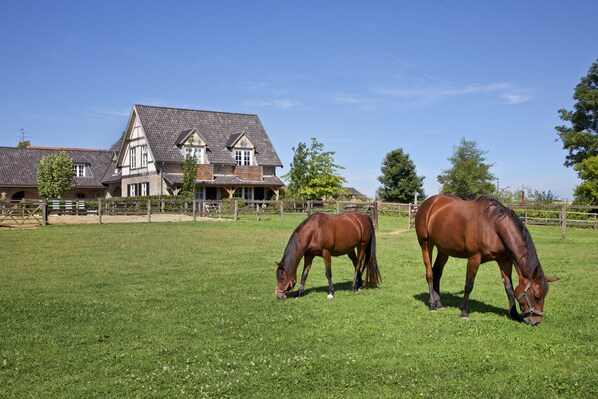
(280,103)
(504,91)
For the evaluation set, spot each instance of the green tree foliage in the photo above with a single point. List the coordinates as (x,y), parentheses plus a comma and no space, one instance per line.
(313,174)
(587,191)
(399,181)
(189,176)
(55,175)
(580,139)
(470,175)
(23,144)
(297,177)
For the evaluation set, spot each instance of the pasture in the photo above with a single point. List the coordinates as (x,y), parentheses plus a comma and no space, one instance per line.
(188,310)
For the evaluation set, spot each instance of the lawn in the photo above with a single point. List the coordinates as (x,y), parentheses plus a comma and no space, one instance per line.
(188,310)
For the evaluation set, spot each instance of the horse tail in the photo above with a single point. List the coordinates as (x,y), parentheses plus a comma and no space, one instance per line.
(372,274)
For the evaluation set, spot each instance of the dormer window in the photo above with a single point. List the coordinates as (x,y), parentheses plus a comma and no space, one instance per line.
(243,157)
(198,152)
(79,169)
(192,143)
(242,148)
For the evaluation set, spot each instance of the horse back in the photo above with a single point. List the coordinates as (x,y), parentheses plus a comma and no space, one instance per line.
(341,233)
(458,228)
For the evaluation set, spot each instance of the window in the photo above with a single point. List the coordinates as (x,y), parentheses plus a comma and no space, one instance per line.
(138,189)
(132,188)
(195,151)
(79,169)
(133,157)
(143,155)
(244,192)
(243,157)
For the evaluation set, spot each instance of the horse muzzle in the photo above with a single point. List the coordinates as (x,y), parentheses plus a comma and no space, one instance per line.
(280,294)
(532,320)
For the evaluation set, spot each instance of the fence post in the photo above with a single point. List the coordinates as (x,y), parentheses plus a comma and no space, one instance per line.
(236,213)
(194,209)
(563,222)
(45,212)
(149,211)
(375,214)
(100,210)
(337,208)
(409,218)
(281,209)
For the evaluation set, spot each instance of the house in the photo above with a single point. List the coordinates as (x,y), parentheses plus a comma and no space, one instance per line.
(235,156)
(18,171)
(235,159)
(351,194)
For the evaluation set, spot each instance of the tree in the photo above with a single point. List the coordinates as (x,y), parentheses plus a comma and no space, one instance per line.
(313,173)
(189,175)
(587,191)
(55,175)
(23,144)
(399,181)
(581,138)
(470,175)
(298,173)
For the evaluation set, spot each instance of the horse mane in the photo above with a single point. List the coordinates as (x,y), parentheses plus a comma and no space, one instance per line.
(292,245)
(496,210)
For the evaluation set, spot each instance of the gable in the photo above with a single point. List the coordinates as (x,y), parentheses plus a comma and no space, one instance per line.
(196,138)
(239,140)
(165,127)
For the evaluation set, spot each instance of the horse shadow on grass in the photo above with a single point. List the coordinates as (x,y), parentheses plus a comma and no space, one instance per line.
(342,286)
(450,300)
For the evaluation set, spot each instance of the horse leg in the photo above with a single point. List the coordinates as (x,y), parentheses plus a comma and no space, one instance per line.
(328,265)
(473,264)
(434,303)
(357,280)
(441,259)
(307,259)
(506,268)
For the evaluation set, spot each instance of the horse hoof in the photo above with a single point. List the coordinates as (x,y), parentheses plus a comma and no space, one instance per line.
(330,296)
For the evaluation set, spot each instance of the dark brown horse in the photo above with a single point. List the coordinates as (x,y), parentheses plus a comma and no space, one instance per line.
(481,230)
(322,235)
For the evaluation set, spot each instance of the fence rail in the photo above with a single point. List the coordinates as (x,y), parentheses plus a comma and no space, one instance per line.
(27,213)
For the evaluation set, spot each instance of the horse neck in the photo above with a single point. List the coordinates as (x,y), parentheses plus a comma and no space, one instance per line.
(520,246)
(293,253)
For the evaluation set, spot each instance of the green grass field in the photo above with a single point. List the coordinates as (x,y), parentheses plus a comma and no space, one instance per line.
(169,310)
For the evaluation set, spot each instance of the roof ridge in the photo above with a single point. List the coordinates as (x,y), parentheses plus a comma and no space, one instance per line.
(195,110)
(40,147)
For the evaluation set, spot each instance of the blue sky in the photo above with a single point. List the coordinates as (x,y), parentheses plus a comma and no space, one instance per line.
(364,78)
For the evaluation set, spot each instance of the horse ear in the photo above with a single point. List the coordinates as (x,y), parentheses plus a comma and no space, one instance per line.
(551,279)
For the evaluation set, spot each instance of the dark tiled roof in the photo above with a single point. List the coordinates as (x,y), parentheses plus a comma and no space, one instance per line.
(18,166)
(164,126)
(112,174)
(352,191)
(226,180)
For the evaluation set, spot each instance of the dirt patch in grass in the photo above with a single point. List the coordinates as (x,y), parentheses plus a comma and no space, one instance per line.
(94,219)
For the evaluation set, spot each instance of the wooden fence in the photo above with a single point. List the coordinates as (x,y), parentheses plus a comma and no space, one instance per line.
(27,213)
(22,213)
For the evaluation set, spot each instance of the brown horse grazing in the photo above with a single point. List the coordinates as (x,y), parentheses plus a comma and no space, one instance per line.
(481,230)
(322,235)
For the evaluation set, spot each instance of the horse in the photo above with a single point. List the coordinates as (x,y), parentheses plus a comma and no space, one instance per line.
(323,235)
(481,230)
